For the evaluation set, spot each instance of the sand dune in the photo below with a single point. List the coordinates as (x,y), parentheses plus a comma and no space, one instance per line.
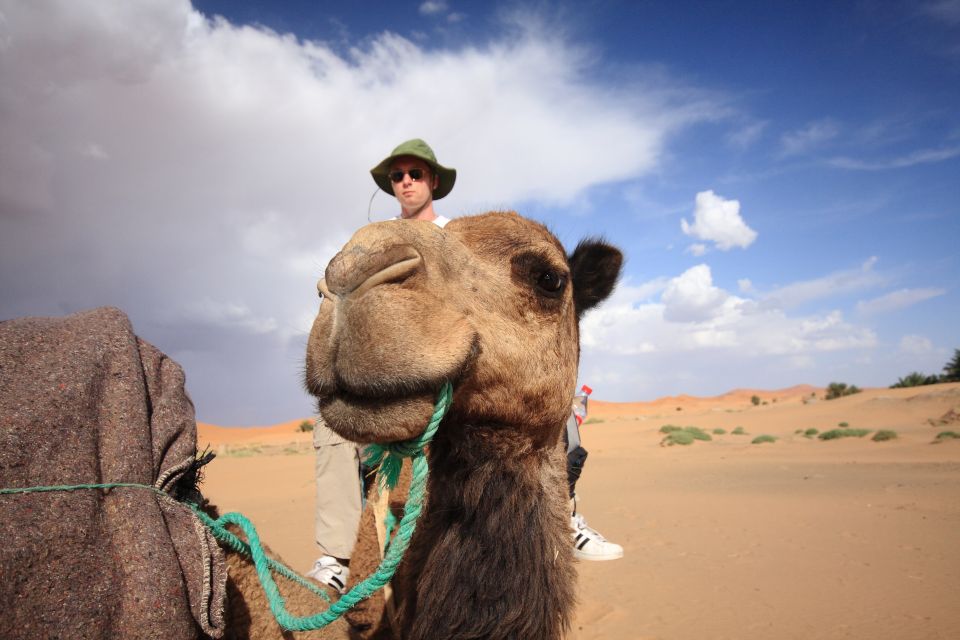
(799,538)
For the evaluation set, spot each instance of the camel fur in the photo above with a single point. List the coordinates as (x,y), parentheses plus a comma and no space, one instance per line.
(492,304)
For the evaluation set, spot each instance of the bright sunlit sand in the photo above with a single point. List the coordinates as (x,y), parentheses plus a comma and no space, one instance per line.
(799,538)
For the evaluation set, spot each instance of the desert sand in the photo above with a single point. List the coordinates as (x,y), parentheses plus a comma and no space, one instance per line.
(800,538)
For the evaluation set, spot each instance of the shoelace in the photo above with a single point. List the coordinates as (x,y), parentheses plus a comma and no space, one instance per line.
(582,526)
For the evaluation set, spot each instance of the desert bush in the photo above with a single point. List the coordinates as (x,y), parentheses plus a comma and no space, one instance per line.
(677,437)
(915,379)
(719,431)
(698,433)
(739,432)
(763,438)
(593,421)
(883,435)
(798,431)
(755,400)
(843,425)
(840,389)
(947,435)
(305,426)
(834,434)
(670,428)
(809,433)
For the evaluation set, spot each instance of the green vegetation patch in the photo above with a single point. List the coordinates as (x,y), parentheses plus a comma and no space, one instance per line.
(809,433)
(695,433)
(739,432)
(593,421)
(763,438)
(947,435)
(719,432)
(840,389)
(677,437)
(305,426)
(883,435)
(834,434)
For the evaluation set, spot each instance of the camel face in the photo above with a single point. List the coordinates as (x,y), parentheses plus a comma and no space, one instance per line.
(490,302)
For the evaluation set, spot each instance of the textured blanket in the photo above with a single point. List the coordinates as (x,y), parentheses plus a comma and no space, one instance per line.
(83,400)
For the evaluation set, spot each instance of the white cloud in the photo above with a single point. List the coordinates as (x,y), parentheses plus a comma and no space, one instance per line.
(691,296)
(897,300)
(915,345)
(746,135)
(718,220)
(808,138)
(432,7)
(156,160)
(946,11)
(921,156)
(696,249)
(834,284)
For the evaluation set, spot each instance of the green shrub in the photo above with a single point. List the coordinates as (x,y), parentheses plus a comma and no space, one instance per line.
(947,435)
(698,433)
(883,435)
(305,426)
(798,431)
(593,421)
(719,432)
(763,438)
(670,428)
(843,424)
(677,437)
(916,379)
(840,389)
(755,400)
(739,432)
(833,434)
(809,433)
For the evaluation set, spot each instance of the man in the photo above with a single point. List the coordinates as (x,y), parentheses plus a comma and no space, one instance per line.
(412,174)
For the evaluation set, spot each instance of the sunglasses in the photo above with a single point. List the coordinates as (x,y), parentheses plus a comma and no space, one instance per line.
(415,174)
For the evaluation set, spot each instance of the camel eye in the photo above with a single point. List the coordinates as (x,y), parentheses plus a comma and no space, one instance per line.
(551,283)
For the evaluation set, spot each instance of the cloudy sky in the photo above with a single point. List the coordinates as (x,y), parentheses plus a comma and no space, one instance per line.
(783,177)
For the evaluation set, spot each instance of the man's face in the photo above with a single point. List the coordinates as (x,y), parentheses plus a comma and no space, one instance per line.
(412,194)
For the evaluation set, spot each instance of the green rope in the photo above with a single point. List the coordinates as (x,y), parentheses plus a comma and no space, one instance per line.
(389,455)
(388,458)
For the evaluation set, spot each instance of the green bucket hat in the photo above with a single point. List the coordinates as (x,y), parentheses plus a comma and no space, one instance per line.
(416,148)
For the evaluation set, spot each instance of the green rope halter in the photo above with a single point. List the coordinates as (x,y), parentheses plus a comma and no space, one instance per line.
(389,456)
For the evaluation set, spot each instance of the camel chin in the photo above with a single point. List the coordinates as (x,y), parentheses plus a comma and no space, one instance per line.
(378,420)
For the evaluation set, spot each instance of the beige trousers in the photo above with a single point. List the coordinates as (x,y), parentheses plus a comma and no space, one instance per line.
(339,491)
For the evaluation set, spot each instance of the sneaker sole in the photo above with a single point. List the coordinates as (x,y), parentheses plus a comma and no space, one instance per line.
(584,556)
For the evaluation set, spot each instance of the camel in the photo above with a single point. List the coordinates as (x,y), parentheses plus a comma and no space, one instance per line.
(492,304)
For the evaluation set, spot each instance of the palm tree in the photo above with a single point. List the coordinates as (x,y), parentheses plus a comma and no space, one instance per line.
(951,370)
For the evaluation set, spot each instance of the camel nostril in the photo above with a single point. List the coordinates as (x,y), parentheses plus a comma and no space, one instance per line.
(359,270)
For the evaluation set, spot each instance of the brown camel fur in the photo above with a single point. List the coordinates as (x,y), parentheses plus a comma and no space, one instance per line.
(490,303)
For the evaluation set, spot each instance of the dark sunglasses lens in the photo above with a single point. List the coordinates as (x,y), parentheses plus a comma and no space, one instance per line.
(397,176)
(415,174)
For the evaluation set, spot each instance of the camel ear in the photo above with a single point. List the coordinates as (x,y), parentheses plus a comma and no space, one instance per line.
(594,269)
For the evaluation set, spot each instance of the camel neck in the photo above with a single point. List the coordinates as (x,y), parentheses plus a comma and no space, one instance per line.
(490,520)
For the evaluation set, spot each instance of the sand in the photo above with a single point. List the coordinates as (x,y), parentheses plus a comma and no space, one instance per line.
(800,538)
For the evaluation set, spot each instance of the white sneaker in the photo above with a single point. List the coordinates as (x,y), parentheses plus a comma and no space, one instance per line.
(588,544)
(329,571)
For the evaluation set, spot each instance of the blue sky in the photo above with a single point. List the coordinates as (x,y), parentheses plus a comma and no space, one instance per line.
(783,177)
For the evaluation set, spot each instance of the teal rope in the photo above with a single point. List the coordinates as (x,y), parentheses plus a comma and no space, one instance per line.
(388,458)
(389,455)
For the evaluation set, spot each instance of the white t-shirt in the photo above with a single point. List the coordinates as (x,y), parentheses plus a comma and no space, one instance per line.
(440,221)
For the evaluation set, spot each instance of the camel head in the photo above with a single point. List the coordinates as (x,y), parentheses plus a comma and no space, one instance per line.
(490,303)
